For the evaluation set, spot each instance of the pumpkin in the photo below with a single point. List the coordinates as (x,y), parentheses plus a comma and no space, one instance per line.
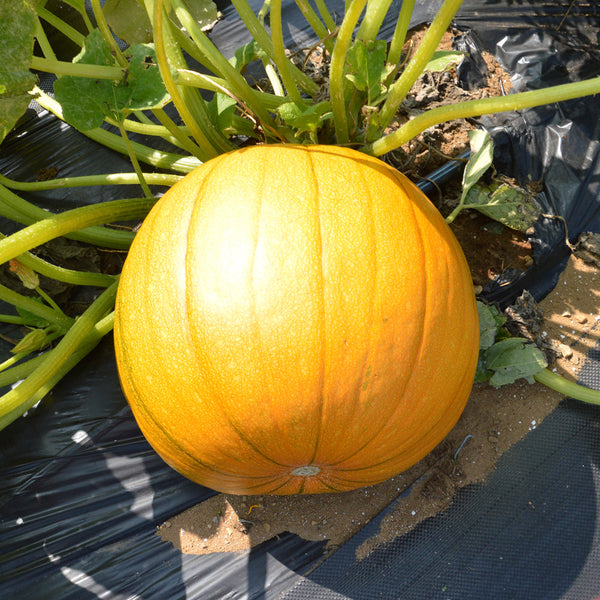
(295,319)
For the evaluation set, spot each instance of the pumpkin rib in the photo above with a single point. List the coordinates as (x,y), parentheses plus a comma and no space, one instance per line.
(375,290)
(416,356)
(256,328)
(323,328)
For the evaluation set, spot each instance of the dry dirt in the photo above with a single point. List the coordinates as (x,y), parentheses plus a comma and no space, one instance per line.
(493,421)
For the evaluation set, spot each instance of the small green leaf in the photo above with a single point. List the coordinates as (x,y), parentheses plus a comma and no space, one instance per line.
(221,109)
(129,20)
(512,359)
(367,68)
(490,320)
(17,28)
(246,54)
(512,206)
(442,60)
(482,154)
(144,87)
(308,120)
(87,101)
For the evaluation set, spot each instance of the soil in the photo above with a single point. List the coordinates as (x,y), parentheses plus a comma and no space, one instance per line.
(494,419)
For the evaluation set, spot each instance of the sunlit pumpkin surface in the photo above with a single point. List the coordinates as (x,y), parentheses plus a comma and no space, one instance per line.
(295,320)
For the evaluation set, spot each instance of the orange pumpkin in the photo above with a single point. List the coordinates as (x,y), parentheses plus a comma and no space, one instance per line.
(295,319)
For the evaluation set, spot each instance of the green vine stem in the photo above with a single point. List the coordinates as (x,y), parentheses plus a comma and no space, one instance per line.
(373,19)
(190,105)
(70,276)
(475,108)
(162,179)
(134,161)
(568,388)
(280,58)
(81,338)
(238,86)
(313,20)
(109,38)
(58,225)
(58,23)
(415,67)
(17,209)
(59,67)
(261,36)
(325,15)
(40,310)
(336,70)
(399,36)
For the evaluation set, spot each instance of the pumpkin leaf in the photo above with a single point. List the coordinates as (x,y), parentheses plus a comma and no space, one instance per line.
(246,54)
(308,120)
(129,20)
(17,28)
(490,321)
(482,154)
(512,359)
(510,205)
(221,109)
(504,359)
(368,69)
(86,101)
(442,60)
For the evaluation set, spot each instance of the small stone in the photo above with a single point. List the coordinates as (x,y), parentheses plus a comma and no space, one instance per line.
(267,527)
(565,350)
(581,319)
(566,314)
(167,524)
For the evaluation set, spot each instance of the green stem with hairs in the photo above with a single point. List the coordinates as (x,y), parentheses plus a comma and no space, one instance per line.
(415,67)
(58,23)
(374,16)
(63,275)
(325,15)
(40,310)
(484,106)
(69,221)
(17,209)
(263,39)
(280,58)
(134,161)
(399,36)
(81,338)
(336,70)
(163,179)
(59,67)
(190,105)
(238,86)
(568,388)
(107,34)
(317,25)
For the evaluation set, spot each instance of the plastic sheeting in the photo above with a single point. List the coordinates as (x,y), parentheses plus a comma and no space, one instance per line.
(82,492)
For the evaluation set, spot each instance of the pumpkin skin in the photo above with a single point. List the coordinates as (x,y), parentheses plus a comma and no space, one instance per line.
(295,319)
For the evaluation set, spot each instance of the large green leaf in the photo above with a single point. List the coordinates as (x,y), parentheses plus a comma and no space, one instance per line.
(17,28)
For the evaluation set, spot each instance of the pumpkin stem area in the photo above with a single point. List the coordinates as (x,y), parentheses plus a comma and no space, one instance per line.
(307,471)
